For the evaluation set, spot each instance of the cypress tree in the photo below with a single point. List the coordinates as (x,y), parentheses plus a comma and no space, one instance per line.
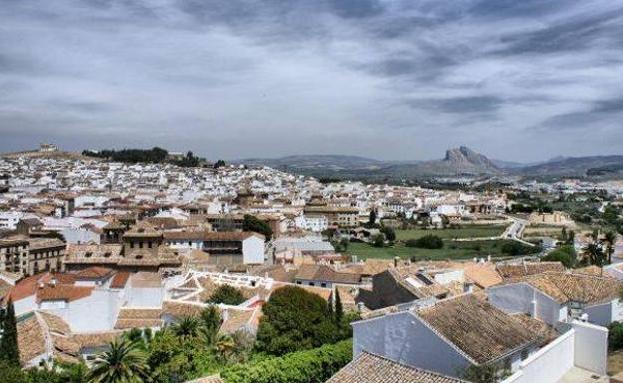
(9,351)
(339,310)
(330,308)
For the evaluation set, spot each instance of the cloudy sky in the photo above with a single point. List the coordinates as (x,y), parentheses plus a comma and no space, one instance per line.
(405,79)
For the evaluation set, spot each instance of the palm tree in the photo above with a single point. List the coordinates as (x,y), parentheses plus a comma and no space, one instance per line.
(187,327)
(610,238)
(225,346)
(123,363)
(595,254)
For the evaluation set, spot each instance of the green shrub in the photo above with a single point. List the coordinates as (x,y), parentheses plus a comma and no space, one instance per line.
(228,295)
(311,366)
(429,241)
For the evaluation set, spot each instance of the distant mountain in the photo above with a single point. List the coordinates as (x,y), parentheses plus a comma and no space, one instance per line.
(334,162)
(457,161)
(575,167)
(461,161)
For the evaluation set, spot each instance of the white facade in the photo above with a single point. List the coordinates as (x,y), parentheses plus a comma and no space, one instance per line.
(253,250)
(524,298)
(315,224)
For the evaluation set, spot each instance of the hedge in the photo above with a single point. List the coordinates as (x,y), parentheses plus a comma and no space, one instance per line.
(310,366)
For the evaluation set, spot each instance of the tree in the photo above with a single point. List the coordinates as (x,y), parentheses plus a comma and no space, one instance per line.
(219,164)
(429,241)
(210,323)
(9,351)
(594,254)
(228,295)
(610,238)
(565,254)
(252,223)
(390,233)
(481,374)
(339,310)
(225,347)
(372,217)
(615,336)
(379,240)
(294,319)
(571,237)
(187,327)
(11,373)
(123,363)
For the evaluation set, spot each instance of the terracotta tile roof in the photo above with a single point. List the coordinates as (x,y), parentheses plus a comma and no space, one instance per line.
(230,235)
(96,339)
(528,268)
(29,286)
(94,272)
(370,368)
(180,309)
(136,313)
(483,275)
(126,324)
(480,330)
(119,280)
(236,320)
(63,292)
(66,345)
(96,251)
(44,243)
(185,235)
(325,273)
(55,323)
(573,287)
(369,267)
(30,339)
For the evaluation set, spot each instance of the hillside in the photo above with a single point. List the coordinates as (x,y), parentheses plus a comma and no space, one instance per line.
(575,167)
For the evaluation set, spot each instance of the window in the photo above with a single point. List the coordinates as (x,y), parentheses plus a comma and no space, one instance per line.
(88,254)
(323,285)
(107,254)
(140,245)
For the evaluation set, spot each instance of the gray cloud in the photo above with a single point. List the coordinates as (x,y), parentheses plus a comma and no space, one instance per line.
(241,78)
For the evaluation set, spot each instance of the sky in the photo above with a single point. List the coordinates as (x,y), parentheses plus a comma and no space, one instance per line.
(402,80)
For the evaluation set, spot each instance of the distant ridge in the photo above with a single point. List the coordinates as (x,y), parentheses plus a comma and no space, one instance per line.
(459,161)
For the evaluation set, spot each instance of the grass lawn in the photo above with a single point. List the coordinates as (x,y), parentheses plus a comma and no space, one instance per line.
(474,231)
(451,250)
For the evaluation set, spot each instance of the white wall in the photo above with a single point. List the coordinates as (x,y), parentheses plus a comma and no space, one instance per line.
(253,251)
(24,305)
(404,338)
(548,364)
(591,347)
(145,296)
(523,298)
(601,314)
(97,312)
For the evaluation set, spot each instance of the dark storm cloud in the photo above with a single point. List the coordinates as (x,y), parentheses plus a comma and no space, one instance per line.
(400,79)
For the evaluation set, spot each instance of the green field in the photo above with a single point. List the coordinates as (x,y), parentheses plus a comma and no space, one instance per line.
(451,250)
(475,231)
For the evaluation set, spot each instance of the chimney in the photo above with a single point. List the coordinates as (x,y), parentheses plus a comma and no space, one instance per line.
(53,282)
(396,260)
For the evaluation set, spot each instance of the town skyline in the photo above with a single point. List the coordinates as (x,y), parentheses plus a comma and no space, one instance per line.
(395,81)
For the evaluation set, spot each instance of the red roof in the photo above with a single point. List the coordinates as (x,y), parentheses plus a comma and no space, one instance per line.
(119,280)
(28,286)
(67,293)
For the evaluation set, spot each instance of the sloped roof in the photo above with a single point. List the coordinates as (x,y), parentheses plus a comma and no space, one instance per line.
(370,368)
(576,287)
(325,273)
(528,268)
(30,339)
(479,329)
